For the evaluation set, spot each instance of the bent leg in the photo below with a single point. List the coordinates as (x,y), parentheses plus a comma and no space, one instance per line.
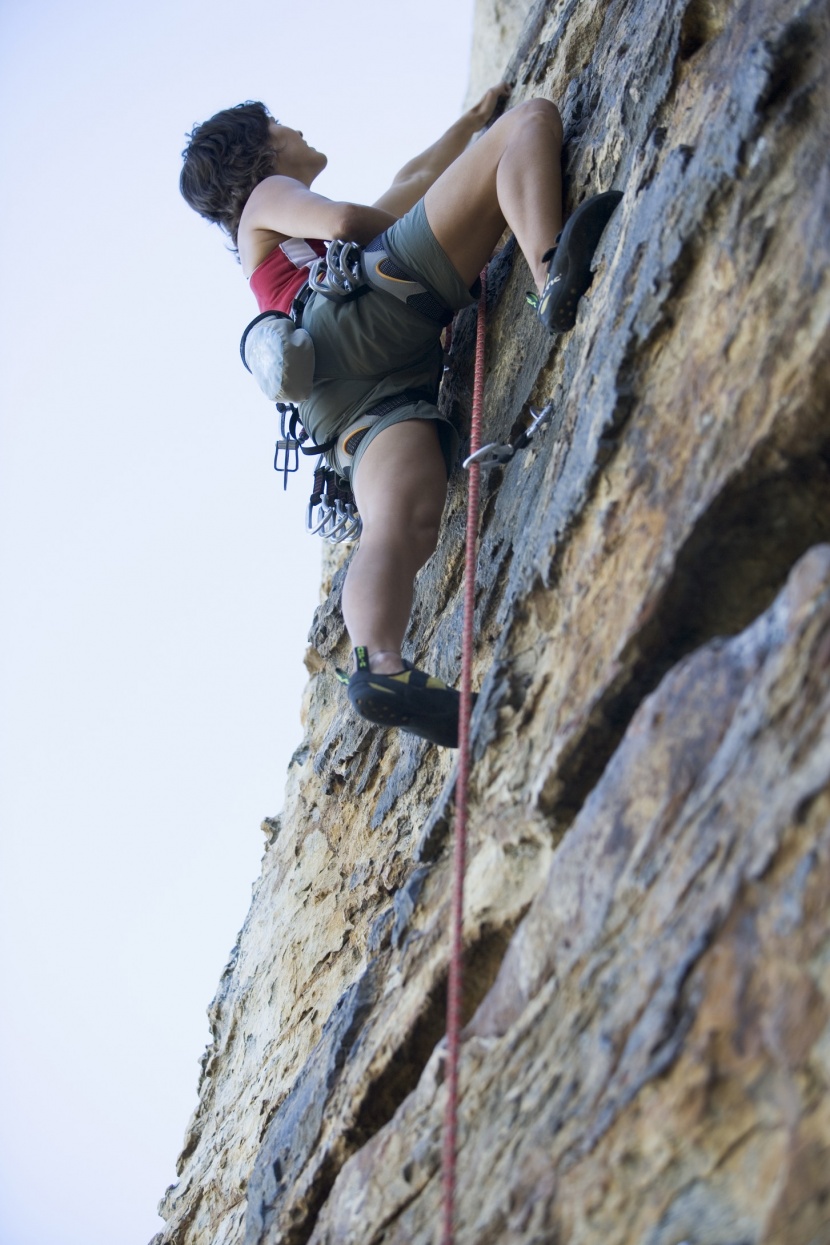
(400,489)
(510,176)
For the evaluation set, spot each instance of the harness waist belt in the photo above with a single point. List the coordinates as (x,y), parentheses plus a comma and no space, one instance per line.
(385,273)
(349,271)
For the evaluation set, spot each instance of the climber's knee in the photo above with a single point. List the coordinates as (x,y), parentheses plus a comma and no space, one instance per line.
(410,535)
(423,531)
(539,112)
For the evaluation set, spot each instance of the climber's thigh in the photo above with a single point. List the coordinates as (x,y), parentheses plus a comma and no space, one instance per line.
(463,205)
(400,485)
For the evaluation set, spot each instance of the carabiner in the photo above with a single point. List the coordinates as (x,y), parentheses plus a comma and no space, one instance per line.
(341,520)
(313,527)
(349,528)
(493,455)
(496,454)
(539,418)
(337,275)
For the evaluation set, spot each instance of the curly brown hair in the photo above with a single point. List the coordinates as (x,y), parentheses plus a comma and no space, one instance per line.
(224,159)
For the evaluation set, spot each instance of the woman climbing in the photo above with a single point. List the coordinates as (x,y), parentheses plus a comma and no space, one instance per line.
(377,356)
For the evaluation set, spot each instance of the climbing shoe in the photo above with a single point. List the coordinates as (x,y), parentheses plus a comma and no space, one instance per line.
(569,269)
(413,700)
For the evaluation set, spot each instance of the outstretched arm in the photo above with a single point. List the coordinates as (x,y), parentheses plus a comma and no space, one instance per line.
(416,177)
(286,206)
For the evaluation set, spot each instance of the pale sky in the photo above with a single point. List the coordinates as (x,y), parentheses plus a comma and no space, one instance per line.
(158,584)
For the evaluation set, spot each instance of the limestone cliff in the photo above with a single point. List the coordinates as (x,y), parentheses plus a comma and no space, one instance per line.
(648,961)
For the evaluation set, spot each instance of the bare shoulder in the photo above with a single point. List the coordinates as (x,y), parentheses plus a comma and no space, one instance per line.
(283,207)
(257,237)
(275,199)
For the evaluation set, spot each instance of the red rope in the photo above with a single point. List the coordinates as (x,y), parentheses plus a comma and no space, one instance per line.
(461,787)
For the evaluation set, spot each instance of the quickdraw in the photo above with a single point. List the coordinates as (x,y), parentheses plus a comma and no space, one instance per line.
(496,454)
(332,513)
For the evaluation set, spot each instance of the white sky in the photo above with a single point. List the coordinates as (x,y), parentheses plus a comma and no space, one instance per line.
(158,585)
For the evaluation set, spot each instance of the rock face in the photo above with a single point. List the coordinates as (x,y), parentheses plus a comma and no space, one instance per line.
(498,26)
(647,1053)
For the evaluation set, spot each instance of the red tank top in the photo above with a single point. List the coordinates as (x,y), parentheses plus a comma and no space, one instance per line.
(278,278)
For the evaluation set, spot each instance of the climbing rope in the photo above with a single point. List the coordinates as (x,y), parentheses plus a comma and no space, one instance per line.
(455,988)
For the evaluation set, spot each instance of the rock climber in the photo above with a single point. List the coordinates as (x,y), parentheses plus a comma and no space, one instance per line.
(378,358)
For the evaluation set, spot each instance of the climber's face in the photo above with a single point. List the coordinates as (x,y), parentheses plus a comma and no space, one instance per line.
(296,158)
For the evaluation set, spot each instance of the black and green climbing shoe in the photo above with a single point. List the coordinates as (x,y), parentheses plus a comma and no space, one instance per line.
(569,270)
(413,700)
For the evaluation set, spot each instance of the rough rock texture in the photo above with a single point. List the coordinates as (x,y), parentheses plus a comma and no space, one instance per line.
(648,962)
(498,25)
(652,1058)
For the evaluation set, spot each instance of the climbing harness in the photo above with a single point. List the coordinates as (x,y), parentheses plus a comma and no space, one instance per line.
(279,353)
(348,270)
(496,454)
(455,985)
(385,273)
(332,513)
(342,448)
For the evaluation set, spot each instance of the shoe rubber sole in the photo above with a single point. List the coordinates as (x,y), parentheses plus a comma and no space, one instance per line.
(412,700)
(569,274)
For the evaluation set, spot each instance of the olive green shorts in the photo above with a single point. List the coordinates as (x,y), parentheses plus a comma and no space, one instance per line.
(375,347)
